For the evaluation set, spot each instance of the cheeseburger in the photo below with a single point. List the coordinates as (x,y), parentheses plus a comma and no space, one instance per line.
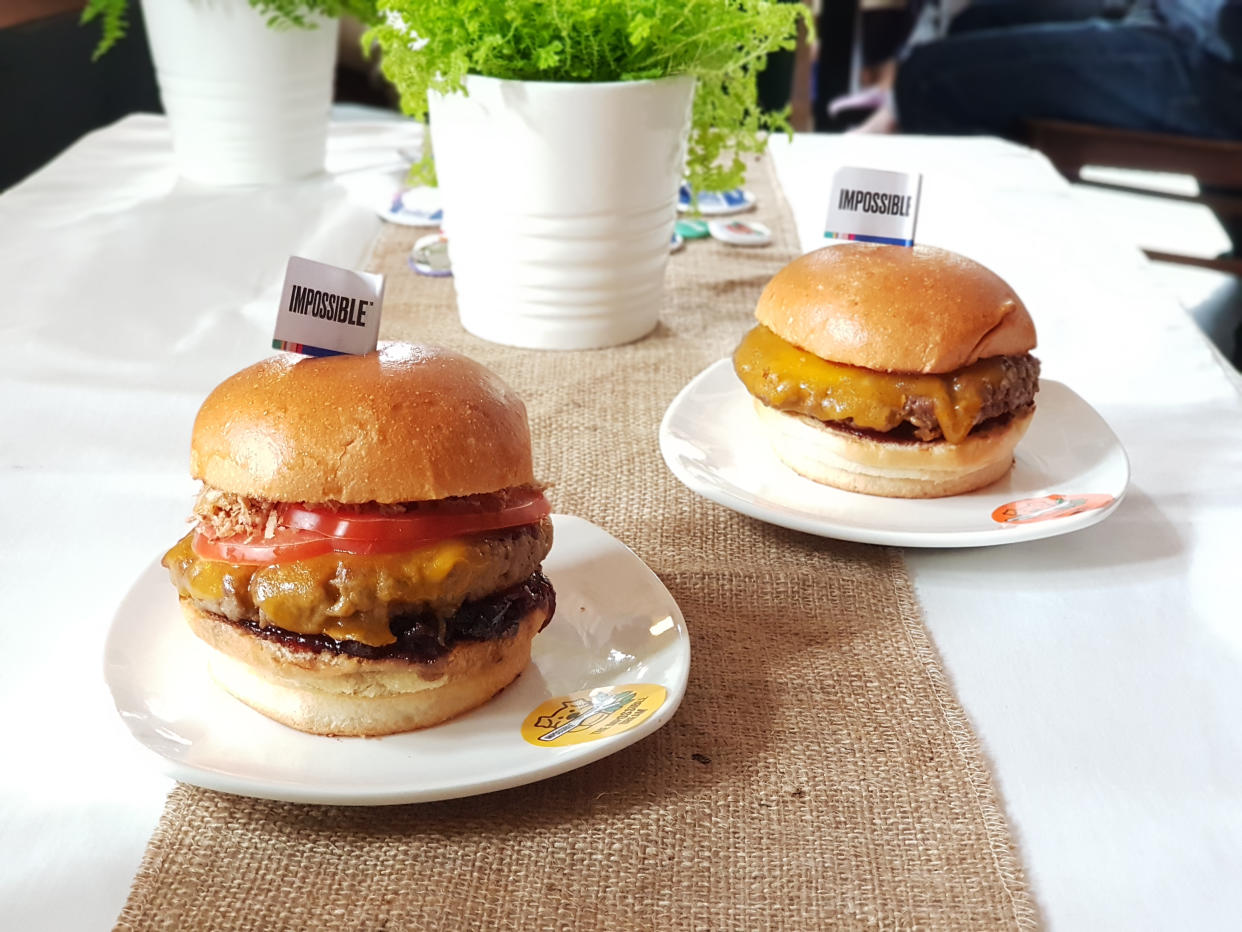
(368,539)
(891,370)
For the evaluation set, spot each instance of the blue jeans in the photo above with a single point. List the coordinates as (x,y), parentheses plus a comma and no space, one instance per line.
(1117,74)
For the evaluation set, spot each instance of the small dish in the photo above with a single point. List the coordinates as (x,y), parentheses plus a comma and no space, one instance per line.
(413,207)
(1070,472)
(716,203)
(609,670)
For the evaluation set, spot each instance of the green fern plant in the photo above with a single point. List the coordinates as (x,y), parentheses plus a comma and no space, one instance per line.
(432,45)
(113,15)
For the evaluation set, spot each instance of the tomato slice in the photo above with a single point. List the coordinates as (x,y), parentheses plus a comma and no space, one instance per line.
(311,532)
(430,521)
(285,545)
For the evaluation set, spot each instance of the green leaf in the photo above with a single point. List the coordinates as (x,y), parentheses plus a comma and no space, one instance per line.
(113,22)
(548,57)
(640,29)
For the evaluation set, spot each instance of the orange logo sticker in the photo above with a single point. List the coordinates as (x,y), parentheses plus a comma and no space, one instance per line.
(1030,510)
(592,714)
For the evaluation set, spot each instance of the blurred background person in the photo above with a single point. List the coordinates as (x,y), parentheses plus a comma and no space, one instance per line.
(1168,66)
(51,92)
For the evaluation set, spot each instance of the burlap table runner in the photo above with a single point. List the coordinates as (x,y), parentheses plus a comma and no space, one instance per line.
(820,771)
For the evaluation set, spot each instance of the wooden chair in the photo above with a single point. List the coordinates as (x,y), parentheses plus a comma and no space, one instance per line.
(1216,164)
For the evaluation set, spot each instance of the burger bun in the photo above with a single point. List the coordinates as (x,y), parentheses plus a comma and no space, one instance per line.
(859,462)
(409,422)
(326,693)
(895,308)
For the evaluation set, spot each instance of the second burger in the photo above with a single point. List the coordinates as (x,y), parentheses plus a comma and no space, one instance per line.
(891,370)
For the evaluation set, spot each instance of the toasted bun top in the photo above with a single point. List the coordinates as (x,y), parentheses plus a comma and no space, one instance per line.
(409,422)
(895,308)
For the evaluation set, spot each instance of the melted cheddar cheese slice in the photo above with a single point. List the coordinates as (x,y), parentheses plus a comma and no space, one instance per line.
(343,596)
(790,379)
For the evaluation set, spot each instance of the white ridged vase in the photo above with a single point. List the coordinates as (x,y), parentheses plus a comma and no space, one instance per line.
(559,204)
(246,103)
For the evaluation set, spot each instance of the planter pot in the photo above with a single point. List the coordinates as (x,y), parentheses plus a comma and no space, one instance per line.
(560,201)
(247,104)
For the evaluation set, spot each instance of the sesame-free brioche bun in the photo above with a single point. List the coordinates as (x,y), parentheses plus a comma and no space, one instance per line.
(408,422)
(895,308)
(898,469)
(327,693)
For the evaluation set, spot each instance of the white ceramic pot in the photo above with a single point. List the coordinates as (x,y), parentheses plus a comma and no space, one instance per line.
(247,104)
(560,201)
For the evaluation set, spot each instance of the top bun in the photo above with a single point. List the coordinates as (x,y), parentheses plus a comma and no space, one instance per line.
(895,308)
(409,422)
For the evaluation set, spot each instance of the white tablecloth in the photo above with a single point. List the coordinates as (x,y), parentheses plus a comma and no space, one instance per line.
(1102,670)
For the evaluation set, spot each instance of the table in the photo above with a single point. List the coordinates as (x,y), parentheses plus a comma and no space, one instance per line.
(1102,671)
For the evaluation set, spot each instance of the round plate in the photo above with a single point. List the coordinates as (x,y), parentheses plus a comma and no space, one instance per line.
(740,232)
(1070,472)
(716,203)
(615,626)
(429,256)
(413,207)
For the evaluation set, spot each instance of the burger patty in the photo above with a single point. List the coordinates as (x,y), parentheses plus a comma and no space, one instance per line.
(350,597)
(1015,392)
(916,406)
(906,432)
(421,637)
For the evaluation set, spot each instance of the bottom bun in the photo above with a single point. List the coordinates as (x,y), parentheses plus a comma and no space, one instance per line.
(337,694)
(900,469)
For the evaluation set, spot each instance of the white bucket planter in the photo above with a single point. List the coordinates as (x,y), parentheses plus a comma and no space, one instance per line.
(247,104)
(560,201)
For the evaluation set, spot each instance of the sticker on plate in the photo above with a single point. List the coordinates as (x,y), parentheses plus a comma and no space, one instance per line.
(592,714)
(1030,510)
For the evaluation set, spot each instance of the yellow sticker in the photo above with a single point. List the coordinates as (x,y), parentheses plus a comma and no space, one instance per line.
(592,714)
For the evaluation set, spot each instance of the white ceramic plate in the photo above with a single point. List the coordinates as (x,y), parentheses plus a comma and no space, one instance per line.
(1070,472)
(615,625)
(413,207)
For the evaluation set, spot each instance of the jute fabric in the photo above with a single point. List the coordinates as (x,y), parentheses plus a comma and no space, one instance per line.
(819,774)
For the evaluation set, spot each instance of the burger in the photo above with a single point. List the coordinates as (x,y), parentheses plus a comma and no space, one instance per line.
(367,547)
(891,370)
